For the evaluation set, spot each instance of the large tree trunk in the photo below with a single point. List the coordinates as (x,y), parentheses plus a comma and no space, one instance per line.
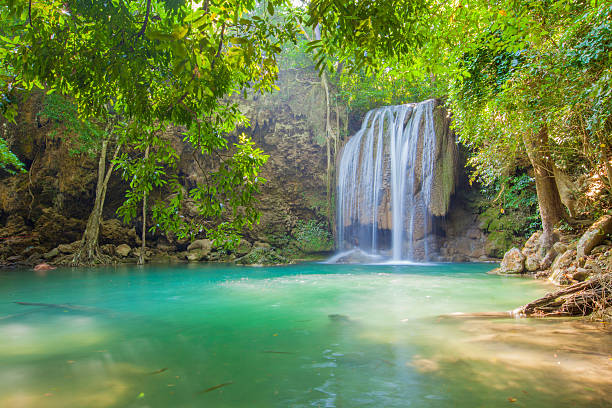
(549,200)
(141,258)
(89,253)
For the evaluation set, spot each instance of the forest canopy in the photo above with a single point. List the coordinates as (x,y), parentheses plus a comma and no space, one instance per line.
(529,85)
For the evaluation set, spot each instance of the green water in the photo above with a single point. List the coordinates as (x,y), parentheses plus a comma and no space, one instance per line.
(309,335)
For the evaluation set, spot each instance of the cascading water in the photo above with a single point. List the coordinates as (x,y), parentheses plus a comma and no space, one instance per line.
(385,182)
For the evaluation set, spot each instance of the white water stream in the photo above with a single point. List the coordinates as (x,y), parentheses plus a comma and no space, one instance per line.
(384,183)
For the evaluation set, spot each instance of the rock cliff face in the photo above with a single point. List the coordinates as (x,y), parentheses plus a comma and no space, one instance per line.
(289,126)
(49,205)
(43,212)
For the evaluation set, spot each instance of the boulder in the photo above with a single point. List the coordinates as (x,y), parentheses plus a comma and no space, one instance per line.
(513,262)
(64,249)
(123,250)
(196,255)
(113,232)
(69,248)
(599,249)
(549,258)
(560,247)
(543,250)
(593,265)
(108,249)
(532,244)
(259,244)
(262,256)
(580,275)
(51,254)
(219,256)
(532,263)
(55,229)
(459,258)
(204,245)
(166,247)
(29,251)
(560,267)
(593,236)
(147,252)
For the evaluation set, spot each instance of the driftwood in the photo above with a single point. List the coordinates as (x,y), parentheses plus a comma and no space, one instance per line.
(580,299)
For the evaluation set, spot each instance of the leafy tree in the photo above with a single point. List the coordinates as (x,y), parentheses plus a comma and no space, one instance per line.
(86,137)
(511,69)
(145,169)
(157,63)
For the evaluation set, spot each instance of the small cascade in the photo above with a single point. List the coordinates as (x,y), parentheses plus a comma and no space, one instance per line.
(385,180)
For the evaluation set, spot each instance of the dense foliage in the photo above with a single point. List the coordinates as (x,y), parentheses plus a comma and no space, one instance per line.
(144,66)
(313,236)
(509,211)
(60,111)
(528,83)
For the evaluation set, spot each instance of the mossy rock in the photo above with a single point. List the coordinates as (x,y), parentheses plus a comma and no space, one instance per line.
(263,256)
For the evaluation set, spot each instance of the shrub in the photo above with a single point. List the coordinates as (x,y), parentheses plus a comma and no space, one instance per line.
(313,236)
(510,211)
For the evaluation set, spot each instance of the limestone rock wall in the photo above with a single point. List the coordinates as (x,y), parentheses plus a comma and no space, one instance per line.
(49,205)
(289,125)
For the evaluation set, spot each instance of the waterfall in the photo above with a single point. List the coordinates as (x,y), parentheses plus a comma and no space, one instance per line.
(385,179)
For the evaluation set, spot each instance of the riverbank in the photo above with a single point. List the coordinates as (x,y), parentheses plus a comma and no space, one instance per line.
(580,263)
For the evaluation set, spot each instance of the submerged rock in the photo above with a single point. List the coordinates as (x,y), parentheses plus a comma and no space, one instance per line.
(334,317)
(43,267)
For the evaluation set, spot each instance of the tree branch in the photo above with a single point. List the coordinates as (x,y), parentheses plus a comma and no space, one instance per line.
(212,65)
(143,29)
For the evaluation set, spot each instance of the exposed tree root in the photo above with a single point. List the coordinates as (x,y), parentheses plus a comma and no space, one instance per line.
(581,299)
